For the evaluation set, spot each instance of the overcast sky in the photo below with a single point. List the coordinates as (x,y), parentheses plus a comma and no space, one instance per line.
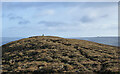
(64,19)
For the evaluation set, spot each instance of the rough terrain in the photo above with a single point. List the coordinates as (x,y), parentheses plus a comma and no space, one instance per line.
(55,54)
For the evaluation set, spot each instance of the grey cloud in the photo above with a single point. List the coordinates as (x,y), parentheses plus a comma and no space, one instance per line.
(24,22)
(16,5)
(106,15)
(47,23)
(86,19)
(19,18)
(23,5)
(14,17)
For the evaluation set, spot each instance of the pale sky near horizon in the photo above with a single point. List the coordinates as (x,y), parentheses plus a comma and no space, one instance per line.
(64,19)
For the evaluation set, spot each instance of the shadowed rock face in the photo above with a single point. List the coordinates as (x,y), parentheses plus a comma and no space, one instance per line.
(55,54)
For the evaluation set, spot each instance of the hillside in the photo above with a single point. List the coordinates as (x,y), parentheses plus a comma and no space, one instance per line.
(55,54)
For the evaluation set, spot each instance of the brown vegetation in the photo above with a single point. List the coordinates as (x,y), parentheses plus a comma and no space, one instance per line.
(55,54)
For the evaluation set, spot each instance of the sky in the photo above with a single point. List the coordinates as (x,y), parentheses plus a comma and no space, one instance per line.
(60,0)
(63,19)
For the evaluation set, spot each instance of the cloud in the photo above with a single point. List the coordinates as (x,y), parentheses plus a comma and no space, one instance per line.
(44,12)
(14,17)
(66,18)
(50,12)
(24,5)
(20,19)
(60,0)
(49,23)
(24,22)
(104,16)
(86,19)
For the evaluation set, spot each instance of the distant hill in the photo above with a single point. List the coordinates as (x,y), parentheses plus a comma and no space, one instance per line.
(56,54)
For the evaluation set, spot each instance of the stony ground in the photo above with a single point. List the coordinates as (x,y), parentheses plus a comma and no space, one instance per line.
(55,54)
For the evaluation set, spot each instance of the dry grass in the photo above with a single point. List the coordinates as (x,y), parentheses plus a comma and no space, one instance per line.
(55,54)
